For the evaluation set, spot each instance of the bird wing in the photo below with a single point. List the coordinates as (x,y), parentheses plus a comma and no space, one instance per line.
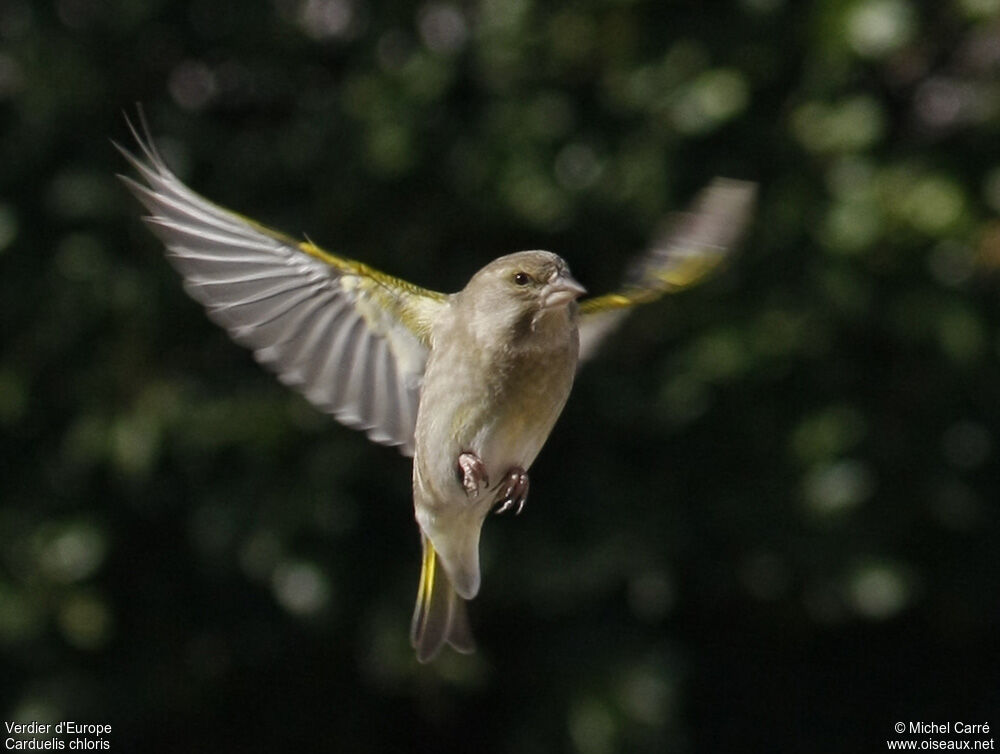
(691,247)
(354,341)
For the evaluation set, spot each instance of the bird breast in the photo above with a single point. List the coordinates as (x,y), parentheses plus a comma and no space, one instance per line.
(498,400)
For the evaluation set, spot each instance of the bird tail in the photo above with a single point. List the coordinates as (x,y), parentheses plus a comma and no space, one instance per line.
(440,615)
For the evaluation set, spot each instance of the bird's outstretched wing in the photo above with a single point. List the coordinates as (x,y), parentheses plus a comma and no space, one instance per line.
(693,245)
(352,340)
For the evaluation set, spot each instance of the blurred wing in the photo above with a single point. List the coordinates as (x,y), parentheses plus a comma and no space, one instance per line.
(694,244)
(352,340)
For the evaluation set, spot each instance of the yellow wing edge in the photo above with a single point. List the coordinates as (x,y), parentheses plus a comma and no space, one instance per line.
(694,246)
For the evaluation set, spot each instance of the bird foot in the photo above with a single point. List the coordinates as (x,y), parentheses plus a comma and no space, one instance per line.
(514,491)
(472,474)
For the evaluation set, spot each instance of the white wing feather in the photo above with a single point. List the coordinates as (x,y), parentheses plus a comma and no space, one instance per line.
(352,340)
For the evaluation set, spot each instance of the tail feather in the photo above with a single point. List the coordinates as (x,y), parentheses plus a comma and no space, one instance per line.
(440,615)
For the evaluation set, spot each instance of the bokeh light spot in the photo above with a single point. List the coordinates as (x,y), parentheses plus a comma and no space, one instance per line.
(876,28)
(322,19)
(85,621)
(710,100)
(592,727)
(878,591)
(442,27)
(73,553)
(577,166)
(192,84)
(839,486)
(301,588)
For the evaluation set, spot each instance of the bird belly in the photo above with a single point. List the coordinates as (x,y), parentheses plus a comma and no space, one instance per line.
(503,418)
(516,436)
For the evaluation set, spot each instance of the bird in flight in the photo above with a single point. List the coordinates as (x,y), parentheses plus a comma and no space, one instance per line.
(469,384)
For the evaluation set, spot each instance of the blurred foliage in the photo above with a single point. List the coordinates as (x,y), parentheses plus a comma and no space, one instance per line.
(774,529)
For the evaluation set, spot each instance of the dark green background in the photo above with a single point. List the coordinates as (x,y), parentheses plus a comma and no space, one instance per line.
(767,520)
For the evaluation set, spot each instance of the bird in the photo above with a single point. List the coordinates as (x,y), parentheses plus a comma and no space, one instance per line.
(469,384)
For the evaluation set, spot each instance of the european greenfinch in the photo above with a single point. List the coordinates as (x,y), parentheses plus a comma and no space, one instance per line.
(469,384)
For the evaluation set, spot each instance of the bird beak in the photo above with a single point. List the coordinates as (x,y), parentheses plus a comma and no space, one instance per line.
(560,290)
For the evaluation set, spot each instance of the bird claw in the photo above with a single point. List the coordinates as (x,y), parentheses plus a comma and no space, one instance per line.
(472,474)
(515,491)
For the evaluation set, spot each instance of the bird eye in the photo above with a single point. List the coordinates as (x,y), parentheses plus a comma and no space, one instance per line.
(522,278)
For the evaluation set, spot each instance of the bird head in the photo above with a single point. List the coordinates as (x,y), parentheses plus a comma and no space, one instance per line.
(517,290)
